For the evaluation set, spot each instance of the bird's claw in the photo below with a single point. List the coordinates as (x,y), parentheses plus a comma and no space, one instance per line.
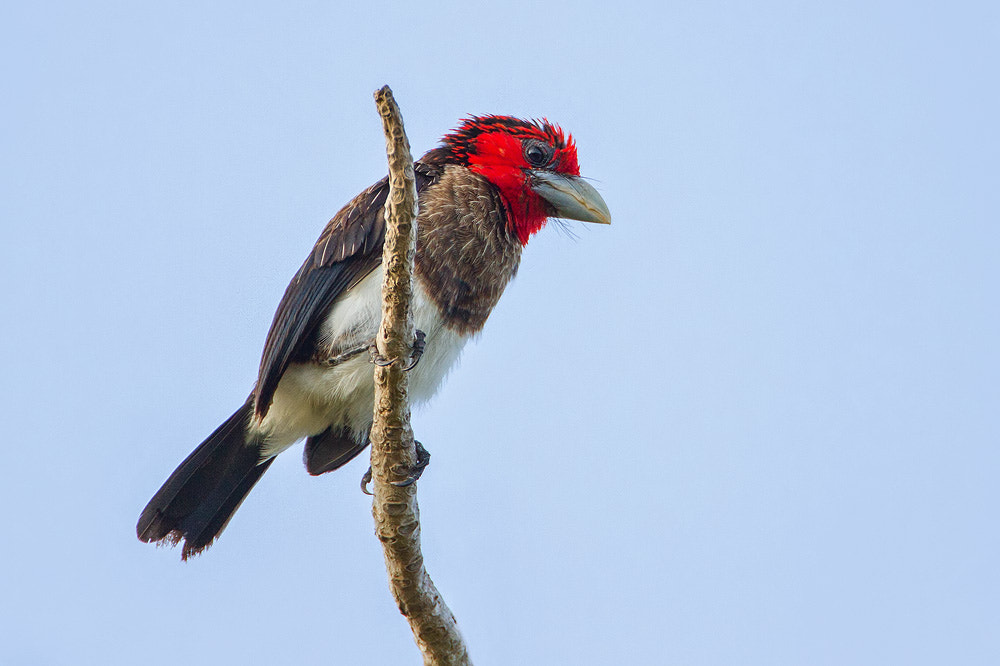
(419,343)
(376,357)
(423,459)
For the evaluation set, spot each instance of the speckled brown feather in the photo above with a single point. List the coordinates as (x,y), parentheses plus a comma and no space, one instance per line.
(466,254)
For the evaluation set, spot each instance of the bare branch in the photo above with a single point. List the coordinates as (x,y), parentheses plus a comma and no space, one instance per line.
(397,519)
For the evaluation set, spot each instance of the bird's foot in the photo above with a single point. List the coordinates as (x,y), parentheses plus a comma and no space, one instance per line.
(375,356)
(419,344)
(415,472)
(423,459)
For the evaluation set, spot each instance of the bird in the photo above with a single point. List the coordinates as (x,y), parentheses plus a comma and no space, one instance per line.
(483,192)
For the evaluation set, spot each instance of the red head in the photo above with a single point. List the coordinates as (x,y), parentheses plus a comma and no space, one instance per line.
(532,164)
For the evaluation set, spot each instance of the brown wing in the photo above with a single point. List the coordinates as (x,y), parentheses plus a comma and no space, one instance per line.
(349,248)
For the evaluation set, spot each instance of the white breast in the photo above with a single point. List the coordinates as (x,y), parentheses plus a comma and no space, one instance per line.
(310,398)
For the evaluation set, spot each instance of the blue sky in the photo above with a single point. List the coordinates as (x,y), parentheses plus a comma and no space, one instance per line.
(754,421)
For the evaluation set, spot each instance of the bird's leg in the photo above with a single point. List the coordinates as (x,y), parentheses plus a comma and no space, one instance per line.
(332,361)
(419,343)
(423,459)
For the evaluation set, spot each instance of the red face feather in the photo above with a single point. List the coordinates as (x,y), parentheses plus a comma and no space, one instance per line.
(497,148)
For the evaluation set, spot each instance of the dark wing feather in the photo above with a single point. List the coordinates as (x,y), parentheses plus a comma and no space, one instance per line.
(349,248)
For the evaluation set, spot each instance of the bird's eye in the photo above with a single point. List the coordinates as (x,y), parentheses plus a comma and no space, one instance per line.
(537,153)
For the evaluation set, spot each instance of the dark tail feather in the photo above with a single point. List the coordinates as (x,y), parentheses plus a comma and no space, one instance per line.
(200,497)
(332,448)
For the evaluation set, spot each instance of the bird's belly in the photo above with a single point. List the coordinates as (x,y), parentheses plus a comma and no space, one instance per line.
(311,397)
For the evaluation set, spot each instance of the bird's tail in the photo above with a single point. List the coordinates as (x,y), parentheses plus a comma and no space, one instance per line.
(197,501)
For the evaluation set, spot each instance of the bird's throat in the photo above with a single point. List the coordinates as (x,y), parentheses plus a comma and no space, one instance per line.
(526,211)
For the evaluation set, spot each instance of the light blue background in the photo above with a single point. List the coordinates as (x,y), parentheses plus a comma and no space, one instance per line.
(755,421)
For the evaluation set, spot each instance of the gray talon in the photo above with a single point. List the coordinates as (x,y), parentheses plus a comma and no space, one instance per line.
(423,459)
(418,350)
(419,343)
(375,357)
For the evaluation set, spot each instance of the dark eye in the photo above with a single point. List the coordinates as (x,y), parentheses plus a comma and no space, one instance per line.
(537,153)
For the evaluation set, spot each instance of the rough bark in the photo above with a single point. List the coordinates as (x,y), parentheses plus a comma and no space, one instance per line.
(397,517)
